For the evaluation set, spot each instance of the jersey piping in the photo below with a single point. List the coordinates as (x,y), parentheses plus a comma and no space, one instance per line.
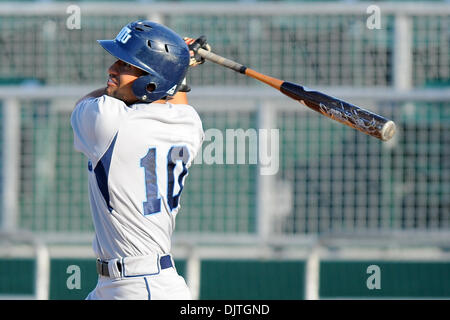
(102,170)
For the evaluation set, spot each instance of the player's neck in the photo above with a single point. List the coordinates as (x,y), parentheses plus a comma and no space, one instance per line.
(162,101)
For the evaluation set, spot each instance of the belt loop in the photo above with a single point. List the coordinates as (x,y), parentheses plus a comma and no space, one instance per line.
(113,267)
(98,266)
(173,263)
(105,271)
(102,268)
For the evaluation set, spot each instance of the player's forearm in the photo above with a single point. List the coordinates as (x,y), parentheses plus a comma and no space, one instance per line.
(94,94)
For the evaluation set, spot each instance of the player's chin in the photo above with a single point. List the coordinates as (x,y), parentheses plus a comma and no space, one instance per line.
(110,90)
(123,95)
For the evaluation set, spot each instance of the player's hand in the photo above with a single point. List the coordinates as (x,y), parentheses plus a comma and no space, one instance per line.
(194,45)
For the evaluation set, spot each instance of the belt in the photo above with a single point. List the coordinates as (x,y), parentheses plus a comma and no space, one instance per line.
(102,266)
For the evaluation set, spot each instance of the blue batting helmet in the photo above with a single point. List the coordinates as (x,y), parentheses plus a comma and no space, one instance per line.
(155,49)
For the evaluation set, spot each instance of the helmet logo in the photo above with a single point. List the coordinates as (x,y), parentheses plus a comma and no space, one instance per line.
(172,90)
(124,35)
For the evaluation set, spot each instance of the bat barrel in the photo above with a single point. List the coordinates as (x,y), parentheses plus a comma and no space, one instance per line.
(341,111)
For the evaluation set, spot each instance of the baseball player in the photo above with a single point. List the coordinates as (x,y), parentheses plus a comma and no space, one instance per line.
(140,137)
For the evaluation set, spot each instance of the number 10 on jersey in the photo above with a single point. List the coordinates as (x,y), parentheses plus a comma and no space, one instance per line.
(176,154)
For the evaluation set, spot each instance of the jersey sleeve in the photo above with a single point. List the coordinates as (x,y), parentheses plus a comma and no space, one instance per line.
(95,122)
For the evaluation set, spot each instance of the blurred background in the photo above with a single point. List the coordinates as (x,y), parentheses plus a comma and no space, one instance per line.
(346,215)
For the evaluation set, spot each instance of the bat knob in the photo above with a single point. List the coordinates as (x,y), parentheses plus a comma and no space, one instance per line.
(388,130)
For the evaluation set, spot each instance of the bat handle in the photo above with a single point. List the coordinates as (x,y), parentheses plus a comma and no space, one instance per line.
(233,65)
(211,56)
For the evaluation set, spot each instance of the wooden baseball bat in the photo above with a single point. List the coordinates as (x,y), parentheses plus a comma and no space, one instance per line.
(333,108)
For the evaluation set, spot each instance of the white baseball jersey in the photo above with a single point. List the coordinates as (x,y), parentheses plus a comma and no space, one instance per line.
(139,157)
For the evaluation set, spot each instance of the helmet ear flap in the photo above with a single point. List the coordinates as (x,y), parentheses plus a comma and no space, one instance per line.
(151,87)
(145,88)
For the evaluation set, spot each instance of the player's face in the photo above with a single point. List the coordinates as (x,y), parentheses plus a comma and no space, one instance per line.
(120,79)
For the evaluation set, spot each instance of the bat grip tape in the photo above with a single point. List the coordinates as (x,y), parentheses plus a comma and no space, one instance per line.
(222,61)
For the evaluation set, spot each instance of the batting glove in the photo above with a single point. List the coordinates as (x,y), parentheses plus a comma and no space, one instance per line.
(193,46)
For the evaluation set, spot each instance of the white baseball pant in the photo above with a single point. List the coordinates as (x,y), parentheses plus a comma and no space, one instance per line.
(139,278)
